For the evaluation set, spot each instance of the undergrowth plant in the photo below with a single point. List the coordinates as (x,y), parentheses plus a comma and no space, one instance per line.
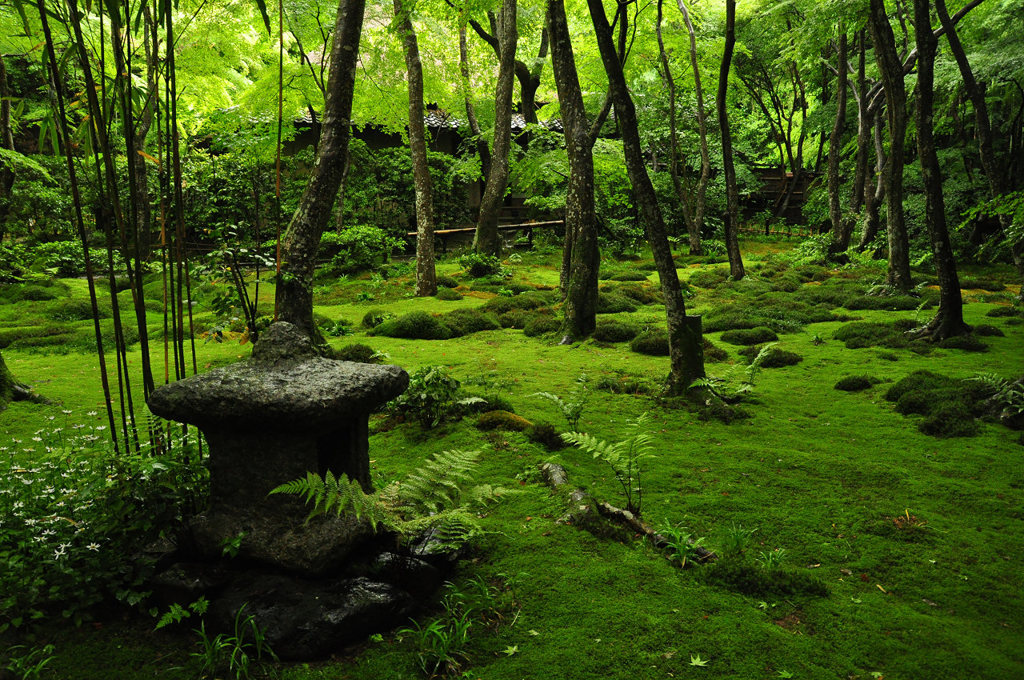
(573,404)
(238,656)
(437,497)
(681,544)
(725,387)
(1008,396)
(432,396)
(26,663)
(624,457)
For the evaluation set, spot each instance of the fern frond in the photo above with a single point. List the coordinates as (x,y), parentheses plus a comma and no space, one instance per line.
(437,484)
(330,494)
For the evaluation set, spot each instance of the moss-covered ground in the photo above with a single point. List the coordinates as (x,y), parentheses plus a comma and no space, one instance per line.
(831,477)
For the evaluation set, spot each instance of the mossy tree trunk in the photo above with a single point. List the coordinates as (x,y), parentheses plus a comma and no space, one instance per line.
(580,309)
(732,198)
(302,239)
(426,278)
(11,389)
(949,320)
(6,142)
(891,69)
(686,351)
(487,240)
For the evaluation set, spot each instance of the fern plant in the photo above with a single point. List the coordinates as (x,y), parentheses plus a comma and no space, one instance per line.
(624,457)
(435,498)
(722,387)
(1007,395)
(574,403)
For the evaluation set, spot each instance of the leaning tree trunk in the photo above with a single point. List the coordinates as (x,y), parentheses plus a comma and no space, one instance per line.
(426,278)
(685,341)
(302,239)
(949,320)
(891,68)
(700,205)
(580,308)
(997,180)
(487,239)
(11,389)
(732,199)
(841,228)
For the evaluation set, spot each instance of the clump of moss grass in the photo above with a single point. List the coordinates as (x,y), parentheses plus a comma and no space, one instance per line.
(974,283)
(357,352)
(1004,311)
(968,343)
(445,281)
(950,406)
(503,420)
(856,383)
(653,342)
(525,301)
(888,303)
(376,317)
(613,330)
(467,321)
(541,324)
(716,409)
(613,303)
(40,291)
(624,384)
(740,575)
(713,353)
(749,336)
(986,330)
(448,294)
(546,435)
(708,278)
(860,334)
(773,358)
(639,293)
(414,326)
(629,276)
(75,310)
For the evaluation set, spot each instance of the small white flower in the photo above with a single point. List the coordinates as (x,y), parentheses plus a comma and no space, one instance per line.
(91,413)
(95,547)
(66,412)
(37,439)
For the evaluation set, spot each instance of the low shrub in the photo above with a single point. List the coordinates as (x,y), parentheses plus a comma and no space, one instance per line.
(541,324)
(752,336)
(855,383)
(613,330)
(503,420)
(478,265)
(357,352)
(448,294)
(653,343)
(613,303)
(414,326)
(376,317)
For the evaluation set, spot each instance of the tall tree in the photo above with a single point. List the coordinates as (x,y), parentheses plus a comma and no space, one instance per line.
(580,308)
(891,69)
(686,351)
(732,198)
(949,319)
(302,239)
(700,197)
(841,227)
(487,239)
(426,279)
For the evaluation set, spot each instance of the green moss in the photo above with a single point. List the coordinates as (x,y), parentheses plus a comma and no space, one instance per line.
(888,303)
(774,357)
(363,354)
(541,324)
(613,330)
(1004,310)
(546,435)
(856,383)
(752,336)
(448,294)
(526,301)
(653,343)
(985,330)
(641,294)
(629,276)
(376,317)
(414,326)
(503,420)
(741,576)
(968,343)
(718,410)
(613,303)
(991,285)
(950,420)
(445,281)
(708,278)
(465,321)
(713,353)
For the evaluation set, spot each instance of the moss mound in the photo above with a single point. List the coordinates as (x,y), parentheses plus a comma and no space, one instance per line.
(445,281)
(973,283)
(376,317)
(716,409)
(624,384)
(503,420)
(357,352)
(741,576)
(613,330)
(888,303)
(639,293)
(525,301)
(1003,311)
(714,353)
(862,334)
(774,357)
(986,330)
(518,318)
(708,278)
(78,310)
(751,336)
(629,276)
(546,435)
(950,406)
(466,321)
(541,324)
(968,343)
(856,383)
(448,294)
(414,326)
(653,343)
(613,303)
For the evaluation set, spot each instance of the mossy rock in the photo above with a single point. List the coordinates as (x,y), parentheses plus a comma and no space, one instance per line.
(613,330)
(751,336)
(357,352)
(466,321)
(541,324)
(414,326)
(613,303)
(503,420)
(376,317)
(653,343)
(448,294)
(774,357)
(856,383)
(445,281)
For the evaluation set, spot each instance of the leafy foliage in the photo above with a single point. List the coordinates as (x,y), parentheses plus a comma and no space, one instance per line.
(572,406)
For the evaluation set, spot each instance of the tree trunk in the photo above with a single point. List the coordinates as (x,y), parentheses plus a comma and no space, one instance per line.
(529,81)
(581,283)
(481,144)
(6,142)
(732,219)
(11,389)
(873,197)
(841,228)
(700,204)
(302,239)
(949,319)
(426,279)
(487,239)
(686,350)
(863,129)
(891,69)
